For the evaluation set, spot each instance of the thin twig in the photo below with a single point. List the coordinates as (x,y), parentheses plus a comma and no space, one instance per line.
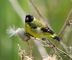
(37,9)
(64,53)
(22,54)
(57,49)
(65,24)
(59,57)
(62,30)
(40,14)
(54,49)
(64,47)
(30,48)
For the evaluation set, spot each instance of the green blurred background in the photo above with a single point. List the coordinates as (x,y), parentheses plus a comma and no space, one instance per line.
(55,11)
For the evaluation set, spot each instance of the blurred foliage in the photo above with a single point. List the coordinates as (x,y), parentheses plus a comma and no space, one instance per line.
(56,12)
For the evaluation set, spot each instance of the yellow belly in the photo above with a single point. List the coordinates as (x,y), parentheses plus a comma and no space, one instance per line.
(33,32)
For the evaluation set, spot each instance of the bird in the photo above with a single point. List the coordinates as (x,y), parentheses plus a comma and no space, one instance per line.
(37,29)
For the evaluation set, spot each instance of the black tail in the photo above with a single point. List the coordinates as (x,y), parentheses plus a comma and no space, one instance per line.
(57,38)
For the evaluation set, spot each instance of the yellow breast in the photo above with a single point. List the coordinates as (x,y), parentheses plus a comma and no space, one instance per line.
(33,32)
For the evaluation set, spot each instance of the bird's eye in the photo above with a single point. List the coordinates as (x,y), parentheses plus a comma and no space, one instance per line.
(26,19)
(29,18)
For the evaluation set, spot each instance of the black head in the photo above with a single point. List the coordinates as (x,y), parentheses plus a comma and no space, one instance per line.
(29,18)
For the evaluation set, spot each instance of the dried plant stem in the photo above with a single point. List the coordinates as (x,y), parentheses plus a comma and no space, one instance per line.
(59,57)
(65,24)
(37,9)
(30,48)
(64,47)
(63,52)
(40,14)
(63,28)
(22,54)
(60,51)
(61,31)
